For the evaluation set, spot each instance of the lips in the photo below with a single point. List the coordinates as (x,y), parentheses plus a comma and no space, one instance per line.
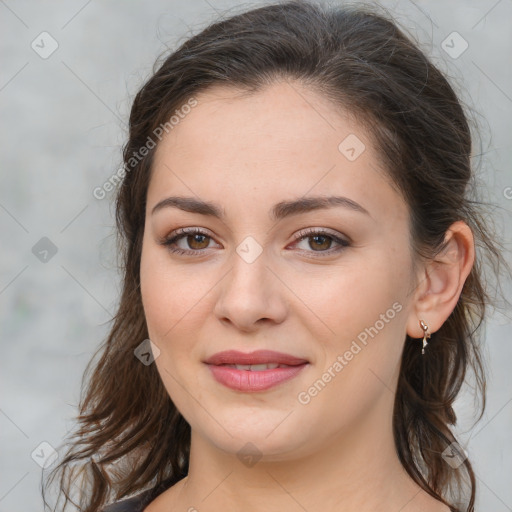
(259,357)
(256,367)
(256,371)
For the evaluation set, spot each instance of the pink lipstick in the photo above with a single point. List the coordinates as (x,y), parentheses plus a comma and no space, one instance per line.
(255,371)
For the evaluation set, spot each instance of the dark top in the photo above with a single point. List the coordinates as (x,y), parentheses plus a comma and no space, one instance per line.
(136,503)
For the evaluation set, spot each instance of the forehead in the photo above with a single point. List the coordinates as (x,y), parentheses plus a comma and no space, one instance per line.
(282,142)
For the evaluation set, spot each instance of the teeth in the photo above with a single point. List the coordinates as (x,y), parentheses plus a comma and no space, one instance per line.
(257,367)
(260,367)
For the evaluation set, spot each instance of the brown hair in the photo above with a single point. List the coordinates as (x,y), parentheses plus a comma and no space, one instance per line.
(131,437)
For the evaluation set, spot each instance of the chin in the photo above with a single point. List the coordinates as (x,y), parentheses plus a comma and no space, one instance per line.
(265,433)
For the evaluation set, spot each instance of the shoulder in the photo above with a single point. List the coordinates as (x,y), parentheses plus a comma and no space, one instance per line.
(133,504)
(146,500)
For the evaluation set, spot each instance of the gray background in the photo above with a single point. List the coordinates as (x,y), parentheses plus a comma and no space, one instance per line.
(62,125)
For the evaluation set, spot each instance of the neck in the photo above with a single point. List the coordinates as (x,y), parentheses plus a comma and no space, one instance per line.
(356,470)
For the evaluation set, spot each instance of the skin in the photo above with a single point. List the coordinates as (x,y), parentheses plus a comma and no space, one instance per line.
(246,153)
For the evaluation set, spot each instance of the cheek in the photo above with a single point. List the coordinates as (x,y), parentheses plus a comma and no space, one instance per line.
(362,305)
(351,297)
(170,295)
(171,303)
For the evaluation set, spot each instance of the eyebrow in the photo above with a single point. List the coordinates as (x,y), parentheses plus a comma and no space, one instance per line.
(279,210)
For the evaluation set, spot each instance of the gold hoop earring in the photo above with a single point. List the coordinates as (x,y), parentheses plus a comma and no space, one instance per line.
(426,335)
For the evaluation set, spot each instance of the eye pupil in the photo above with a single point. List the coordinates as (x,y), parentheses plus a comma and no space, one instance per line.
(194,238)
(322,246)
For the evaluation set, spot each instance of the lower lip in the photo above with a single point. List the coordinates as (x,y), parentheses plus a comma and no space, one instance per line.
(246,380)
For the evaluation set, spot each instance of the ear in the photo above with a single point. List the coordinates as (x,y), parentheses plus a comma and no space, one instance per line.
(441,280)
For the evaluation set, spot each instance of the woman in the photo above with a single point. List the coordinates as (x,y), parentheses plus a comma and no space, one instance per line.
(302,291)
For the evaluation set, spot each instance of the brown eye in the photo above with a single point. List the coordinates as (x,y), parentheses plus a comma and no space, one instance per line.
(321,241)
(195,241)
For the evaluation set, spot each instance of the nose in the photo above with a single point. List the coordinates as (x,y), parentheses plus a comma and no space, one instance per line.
(251,294)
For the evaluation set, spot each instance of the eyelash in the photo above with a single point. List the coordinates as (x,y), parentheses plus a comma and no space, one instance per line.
(307,233)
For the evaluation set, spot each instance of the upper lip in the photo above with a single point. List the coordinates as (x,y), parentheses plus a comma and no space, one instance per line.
(256,357)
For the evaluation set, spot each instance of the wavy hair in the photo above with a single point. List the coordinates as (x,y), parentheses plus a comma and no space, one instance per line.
(130,436)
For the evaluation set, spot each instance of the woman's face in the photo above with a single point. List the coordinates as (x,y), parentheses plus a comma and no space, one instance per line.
(330,286)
